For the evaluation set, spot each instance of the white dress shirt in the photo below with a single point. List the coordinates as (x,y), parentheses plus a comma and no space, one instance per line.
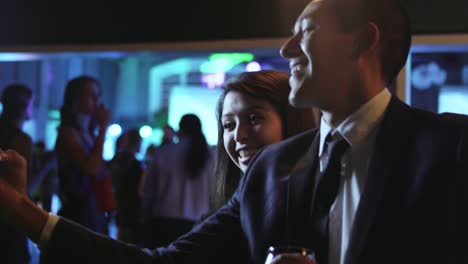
(359,130)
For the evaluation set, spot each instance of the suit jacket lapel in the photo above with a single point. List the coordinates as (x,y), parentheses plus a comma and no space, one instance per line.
(301,182)
(388,145)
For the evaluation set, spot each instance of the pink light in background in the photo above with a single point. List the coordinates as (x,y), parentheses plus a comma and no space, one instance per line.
(213,80)
(253,66)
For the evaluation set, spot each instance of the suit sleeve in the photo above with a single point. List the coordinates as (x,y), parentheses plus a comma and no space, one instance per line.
(211,241)
(461,228)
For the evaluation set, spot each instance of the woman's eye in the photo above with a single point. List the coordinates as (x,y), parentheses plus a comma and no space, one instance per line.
(255,118)
(227,125)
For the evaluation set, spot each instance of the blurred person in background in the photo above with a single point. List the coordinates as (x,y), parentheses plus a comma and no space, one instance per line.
(177,185)
(79,152)
(169,135)
(127,173)
(17,100)
(44,167)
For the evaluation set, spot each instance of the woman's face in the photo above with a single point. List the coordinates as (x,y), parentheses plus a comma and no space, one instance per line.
(248,125)
(89,100)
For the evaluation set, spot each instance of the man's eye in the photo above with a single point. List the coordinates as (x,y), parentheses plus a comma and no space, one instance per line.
(310,28)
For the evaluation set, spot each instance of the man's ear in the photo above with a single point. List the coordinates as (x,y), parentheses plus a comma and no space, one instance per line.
(367,39)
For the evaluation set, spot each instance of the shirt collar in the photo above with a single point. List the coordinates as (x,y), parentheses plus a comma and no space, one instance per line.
(358,125)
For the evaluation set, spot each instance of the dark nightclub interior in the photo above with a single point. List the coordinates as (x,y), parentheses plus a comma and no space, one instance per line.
(158,61)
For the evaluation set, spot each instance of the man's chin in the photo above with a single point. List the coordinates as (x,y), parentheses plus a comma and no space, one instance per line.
(296,101)
(301,100)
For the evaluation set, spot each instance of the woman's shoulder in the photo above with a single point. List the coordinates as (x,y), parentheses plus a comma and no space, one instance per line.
(67,135)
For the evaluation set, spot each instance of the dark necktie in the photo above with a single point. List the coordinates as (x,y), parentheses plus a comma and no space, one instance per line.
(325,195)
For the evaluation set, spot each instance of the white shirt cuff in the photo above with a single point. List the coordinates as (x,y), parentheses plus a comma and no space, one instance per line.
(46,232)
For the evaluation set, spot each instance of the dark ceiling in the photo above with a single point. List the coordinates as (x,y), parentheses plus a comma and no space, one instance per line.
(95,22)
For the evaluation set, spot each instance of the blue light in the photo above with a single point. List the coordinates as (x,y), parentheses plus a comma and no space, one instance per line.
(56,204)
(146,131)
(114,130)
(17,56)
(195,100)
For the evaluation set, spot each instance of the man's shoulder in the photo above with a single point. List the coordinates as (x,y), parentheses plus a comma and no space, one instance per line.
(440,120)
(419,121)
(291,147)
(279,158)
(455,118)
(23,137)
(423,117)
(303,138)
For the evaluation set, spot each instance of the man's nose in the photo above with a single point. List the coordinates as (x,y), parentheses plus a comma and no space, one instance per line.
(290,47)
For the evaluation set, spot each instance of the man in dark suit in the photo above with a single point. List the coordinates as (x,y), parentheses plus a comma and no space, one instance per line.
(398,189)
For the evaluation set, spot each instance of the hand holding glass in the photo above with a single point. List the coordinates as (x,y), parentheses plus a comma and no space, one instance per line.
(290,254)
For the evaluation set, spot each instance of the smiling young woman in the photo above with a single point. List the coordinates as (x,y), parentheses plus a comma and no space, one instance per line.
(253,112)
